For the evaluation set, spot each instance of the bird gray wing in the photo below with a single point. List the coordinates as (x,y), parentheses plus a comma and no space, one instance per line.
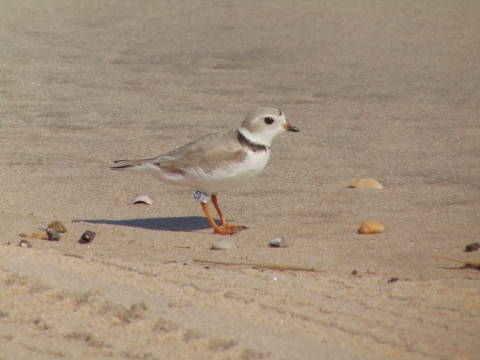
(206,153)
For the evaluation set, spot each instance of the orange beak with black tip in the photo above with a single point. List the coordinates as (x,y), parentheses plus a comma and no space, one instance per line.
(291,128)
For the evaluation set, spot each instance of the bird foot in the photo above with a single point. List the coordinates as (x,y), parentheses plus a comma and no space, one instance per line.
(228,229)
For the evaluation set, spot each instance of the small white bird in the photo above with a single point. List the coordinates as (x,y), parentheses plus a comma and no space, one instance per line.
(217,162)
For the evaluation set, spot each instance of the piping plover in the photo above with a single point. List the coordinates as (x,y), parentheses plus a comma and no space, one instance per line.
(217,162)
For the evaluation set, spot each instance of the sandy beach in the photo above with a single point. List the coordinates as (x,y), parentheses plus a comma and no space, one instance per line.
(388,90)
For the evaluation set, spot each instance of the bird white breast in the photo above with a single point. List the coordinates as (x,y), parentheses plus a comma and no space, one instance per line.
(226,177)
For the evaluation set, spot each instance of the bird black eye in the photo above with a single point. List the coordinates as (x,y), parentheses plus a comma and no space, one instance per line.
(269,120)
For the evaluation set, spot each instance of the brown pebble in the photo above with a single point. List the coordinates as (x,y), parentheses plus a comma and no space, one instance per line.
(354,272)
(371,227)
(472,247)
(57,226)
(392,280)
(365,183)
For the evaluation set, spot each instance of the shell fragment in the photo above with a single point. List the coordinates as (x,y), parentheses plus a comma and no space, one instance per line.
(142,199)
(223,245)
(365,183)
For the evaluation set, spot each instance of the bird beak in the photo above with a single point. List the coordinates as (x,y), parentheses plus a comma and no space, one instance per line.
(288,127)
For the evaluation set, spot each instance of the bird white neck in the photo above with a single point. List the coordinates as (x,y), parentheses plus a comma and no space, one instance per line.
(255,138)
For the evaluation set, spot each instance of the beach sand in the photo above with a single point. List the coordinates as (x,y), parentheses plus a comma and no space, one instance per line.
(388,90)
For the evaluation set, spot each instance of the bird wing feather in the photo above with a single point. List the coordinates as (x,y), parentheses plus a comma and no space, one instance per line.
(205,153)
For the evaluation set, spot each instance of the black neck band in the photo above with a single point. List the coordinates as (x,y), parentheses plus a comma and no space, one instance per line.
(252,146)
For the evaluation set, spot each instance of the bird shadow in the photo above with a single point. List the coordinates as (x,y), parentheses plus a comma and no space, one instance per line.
(187,223)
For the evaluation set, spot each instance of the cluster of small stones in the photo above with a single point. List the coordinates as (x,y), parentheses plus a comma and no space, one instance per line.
(278,242)
(52,233)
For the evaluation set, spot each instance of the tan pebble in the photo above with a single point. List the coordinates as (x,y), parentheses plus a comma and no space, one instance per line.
(365,183)
(38,235)
(371,227)
(57,226)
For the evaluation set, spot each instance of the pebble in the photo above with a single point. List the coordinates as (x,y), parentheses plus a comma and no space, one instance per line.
(278,242)
(87,237)
(142,199)
(371,227)
(57,226)
(24,244)
(223,245)
(365,183)
(53,235)
(472,247)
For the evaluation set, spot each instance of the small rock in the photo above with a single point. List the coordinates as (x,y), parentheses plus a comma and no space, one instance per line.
(278,242)
(223,245)
(57,226)
(87,237)
(142,199)
(371,227)
(24,244)
(365,183)
(472,247)
(354,272)
(53,235)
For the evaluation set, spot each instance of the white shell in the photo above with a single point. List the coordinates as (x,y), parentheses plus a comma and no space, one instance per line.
(223,245)
(142,199)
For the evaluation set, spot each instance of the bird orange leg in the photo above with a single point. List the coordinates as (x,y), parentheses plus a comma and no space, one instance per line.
(216,229)
(225,225)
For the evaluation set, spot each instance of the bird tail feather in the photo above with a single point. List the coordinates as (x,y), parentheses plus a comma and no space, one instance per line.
(133,164)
